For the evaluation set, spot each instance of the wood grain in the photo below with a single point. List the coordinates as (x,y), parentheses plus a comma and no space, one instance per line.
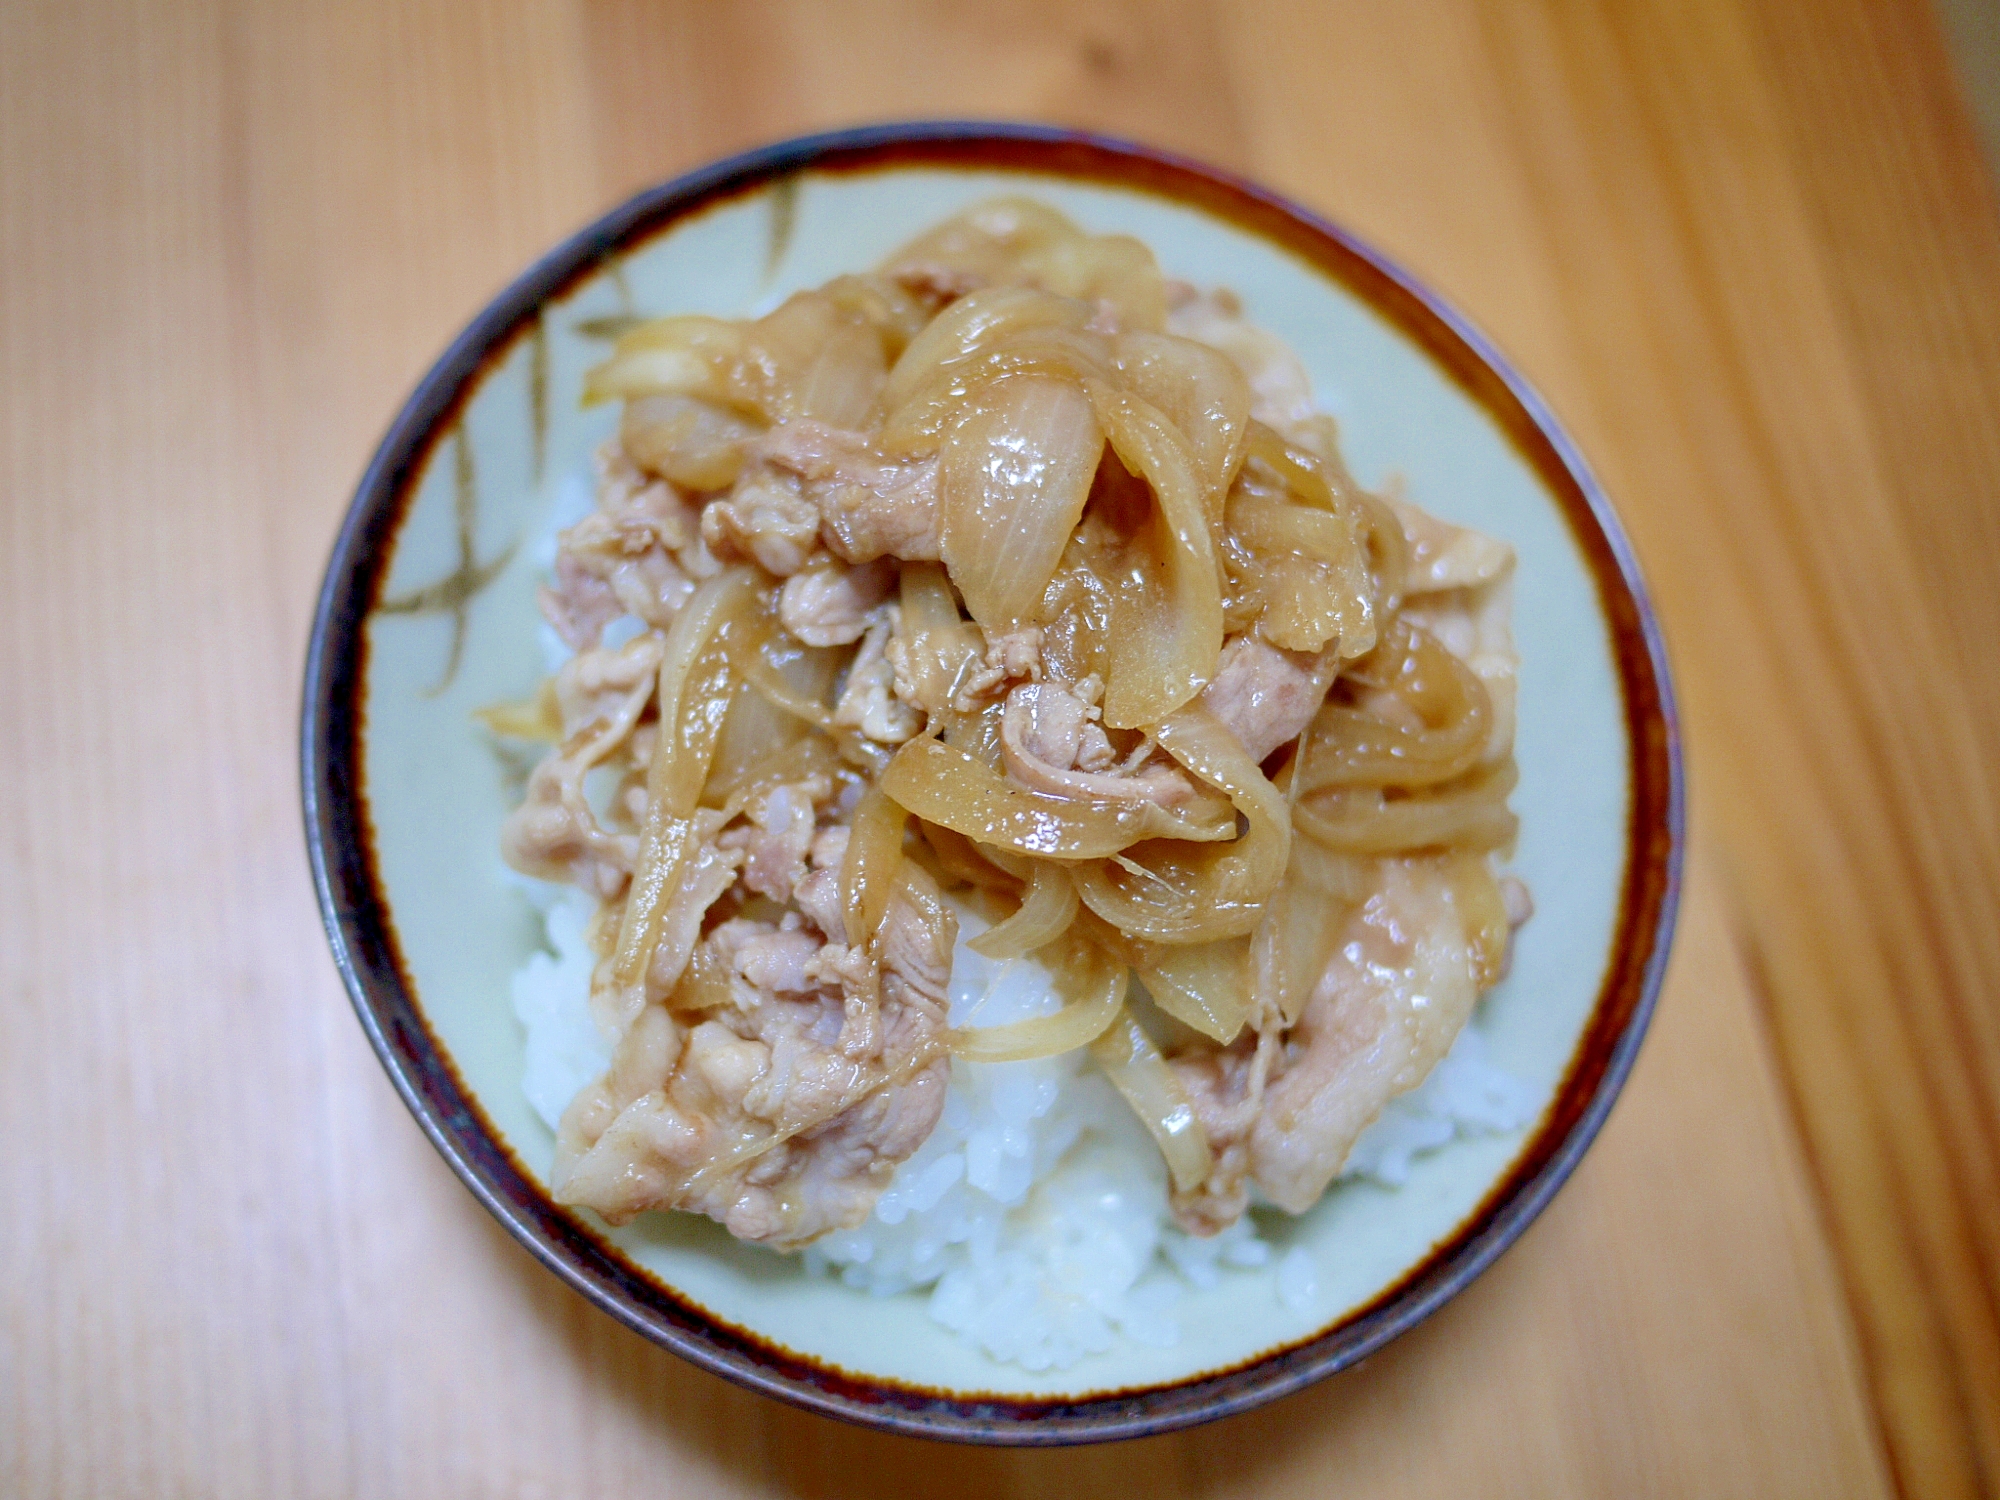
(1748,249)
(1862,843)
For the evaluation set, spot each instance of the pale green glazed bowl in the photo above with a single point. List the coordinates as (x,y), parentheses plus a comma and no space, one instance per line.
(428,612)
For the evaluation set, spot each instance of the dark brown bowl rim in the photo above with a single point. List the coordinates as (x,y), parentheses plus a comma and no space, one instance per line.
(355,909)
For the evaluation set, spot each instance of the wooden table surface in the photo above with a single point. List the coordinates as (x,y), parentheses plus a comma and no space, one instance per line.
(1747,247)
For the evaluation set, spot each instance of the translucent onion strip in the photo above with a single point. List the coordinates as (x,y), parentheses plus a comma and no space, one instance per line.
(1048,906)
(944,785)
(705,984)
(1203,985)
(1014,474)
(1316,585)
(869,870)
(1317,482)
(1136,1069)
(1018,240)
(962,860)
(1206,986)
(1350,745)
(938,646)
(1060,353)
(752,730)
(1076,615)
(775,681)
(1203,393)
(1272,525)
(893,312)
(693,705)
(974,323)
(1304,921)
(978,733)
(695,443)
(1294,943)
(1340,879)
(1167,634)
(1306,474)
(683,356)
(1471,815)
(1094,989)
(790,761)
(1199,896)
(537,718)
(1305,609)
(816,356)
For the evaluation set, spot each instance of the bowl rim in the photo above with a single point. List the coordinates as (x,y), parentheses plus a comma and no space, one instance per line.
(355,909)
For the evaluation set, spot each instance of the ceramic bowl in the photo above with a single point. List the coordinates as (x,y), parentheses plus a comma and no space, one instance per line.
(428,612)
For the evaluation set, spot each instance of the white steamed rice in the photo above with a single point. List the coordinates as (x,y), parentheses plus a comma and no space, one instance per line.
(1035,1217)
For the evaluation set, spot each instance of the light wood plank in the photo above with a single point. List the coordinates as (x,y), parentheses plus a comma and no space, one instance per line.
(1847,762)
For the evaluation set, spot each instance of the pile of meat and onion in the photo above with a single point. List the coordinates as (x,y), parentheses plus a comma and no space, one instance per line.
(1013,578)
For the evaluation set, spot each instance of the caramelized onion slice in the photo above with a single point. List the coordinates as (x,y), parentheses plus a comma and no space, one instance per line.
(694,696)
(789,761)
(1273,525)
(1013,239)
(751,731)
(974,323)
(1303,922)
(816,356)
(816,360)
(790,677)
(1199,896)
(1048,905)
(1470,814)
(1136,1069)
(870,867)
(1294,943)
(537,718)
(1349,745)
(1340,880)
(1303,606)
(1093,986)
(1203,393)
(919,424)
(696,443)
(1015,472)
(944,785)
(1321,481)
(1206,986)
(938,646)
(1167,625)
(682,356)
(1203,985)
(705,984)
(961,861)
